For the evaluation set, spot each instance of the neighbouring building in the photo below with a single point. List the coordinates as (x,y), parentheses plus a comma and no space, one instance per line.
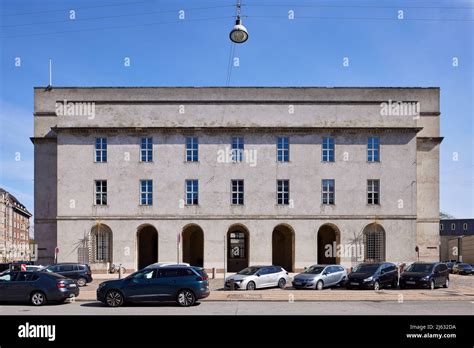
(457,240)
(14,229)
(227,177)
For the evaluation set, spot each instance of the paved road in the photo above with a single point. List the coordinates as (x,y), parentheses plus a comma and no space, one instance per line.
(251,308)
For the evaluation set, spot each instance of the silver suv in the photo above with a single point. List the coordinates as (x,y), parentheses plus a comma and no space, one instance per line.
(255,277)
(320,277)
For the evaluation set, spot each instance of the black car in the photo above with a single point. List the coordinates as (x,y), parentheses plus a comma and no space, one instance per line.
(80,272)
(373,276)
(462,268)
(183,284)
(425,275)
(36,287)
(450,265)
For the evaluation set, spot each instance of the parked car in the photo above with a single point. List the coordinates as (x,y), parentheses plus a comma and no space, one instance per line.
(320,276)
(256,277)
(38,288)
(183,284)
(373,276)
(462,268)
(425,275)
(450,266)
(80,272)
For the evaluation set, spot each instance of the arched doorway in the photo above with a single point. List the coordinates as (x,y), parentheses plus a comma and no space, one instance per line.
(193,245)
(374,243)
(283,247)
(328,240)
(147,238)
(237,248)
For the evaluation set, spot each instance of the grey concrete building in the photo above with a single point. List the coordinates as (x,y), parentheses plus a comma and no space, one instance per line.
(457,240)
(226,177)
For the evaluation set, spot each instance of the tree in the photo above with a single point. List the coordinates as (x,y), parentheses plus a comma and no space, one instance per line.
(445,216)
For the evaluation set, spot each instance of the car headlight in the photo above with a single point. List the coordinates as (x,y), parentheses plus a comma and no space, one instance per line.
(426,278)
(368,279)
(101,285)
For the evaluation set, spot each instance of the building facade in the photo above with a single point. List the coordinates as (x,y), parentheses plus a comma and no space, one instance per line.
(227,177)
(14,229)
(457,240)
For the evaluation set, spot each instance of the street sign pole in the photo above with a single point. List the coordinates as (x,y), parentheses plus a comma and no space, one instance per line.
(178,240)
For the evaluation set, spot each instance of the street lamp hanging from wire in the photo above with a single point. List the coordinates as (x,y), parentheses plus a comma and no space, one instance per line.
(239,33)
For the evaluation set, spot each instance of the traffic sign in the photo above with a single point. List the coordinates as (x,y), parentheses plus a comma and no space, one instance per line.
(23,267)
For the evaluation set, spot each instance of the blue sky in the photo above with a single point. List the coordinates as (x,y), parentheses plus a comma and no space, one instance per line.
(166,51)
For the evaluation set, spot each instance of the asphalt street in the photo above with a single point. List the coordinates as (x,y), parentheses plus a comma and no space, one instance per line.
(253,308)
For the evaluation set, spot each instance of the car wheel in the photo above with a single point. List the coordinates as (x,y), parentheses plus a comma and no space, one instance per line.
(38,298)
(394,283)
(402,286)
(319,285)
(186,298)
(446,283)
(114,298)
(342,282)
(432,285)
(251,286)
(281,283)
(82,281)
(376,286)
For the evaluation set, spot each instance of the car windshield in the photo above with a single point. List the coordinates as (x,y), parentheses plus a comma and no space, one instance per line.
(314,270)
(420,267)
(365,268)
(249,271)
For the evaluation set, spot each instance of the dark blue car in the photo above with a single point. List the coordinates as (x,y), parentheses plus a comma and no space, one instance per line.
(183,284)
(38,288)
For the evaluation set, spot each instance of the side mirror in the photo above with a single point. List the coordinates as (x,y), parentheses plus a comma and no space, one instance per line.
(325,273)
(258,274)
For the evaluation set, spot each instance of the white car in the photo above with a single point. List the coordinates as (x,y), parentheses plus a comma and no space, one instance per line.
(256,277)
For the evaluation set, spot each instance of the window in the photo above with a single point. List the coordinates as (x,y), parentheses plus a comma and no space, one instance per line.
(192,149)
(238,192)
(374,243)
(328,191)
(373,192)
(102,242)
(185,272)
(167,272)
(453,227)
(192,192)
(146,192)
(66,268)
(101,192)
(441,227)
(101,150)
(283,149)
(464,226)
(146,150)
(373,149)
(283,192)
(328,150)
(237,149)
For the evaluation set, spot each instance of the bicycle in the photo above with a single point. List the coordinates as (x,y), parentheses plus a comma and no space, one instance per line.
(113,268)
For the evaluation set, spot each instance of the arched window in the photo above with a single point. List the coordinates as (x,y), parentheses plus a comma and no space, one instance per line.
(101,244)
(374,243)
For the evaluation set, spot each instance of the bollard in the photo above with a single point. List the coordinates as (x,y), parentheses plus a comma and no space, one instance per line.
(213,273)
(120,271)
